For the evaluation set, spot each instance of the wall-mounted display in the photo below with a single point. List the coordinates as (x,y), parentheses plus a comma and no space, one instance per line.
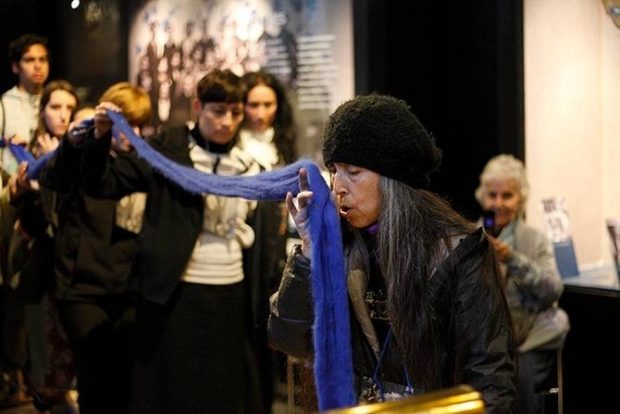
(307,44)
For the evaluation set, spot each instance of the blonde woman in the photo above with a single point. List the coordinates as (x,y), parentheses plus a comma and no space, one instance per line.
(92,263)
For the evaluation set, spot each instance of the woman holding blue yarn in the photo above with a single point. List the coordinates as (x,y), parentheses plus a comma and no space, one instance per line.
(427,307)
(191,319)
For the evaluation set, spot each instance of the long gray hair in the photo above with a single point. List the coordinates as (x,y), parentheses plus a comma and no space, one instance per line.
(415,229)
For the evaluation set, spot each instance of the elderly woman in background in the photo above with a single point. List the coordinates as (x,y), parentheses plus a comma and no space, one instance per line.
(533,285)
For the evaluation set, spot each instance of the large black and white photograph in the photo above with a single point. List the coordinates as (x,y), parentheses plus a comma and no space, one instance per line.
(307,45)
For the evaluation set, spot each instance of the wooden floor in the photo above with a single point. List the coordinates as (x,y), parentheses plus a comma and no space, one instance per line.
(279,407)
(20,409)
(29,408)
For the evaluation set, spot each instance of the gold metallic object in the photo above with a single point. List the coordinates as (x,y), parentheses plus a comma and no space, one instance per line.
(461,399)
(612,7)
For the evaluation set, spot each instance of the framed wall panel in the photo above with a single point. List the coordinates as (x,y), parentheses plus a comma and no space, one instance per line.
(307,44)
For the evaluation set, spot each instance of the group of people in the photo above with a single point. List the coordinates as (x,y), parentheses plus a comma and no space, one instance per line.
(180,339)
(175,300)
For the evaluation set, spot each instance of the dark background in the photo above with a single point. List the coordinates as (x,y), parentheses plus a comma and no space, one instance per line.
(458,64)
(88,45)
(460,67)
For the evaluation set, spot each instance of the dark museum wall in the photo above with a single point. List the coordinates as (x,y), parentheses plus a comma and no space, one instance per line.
(460,67)
(23,16)
(458,64)
(88,45)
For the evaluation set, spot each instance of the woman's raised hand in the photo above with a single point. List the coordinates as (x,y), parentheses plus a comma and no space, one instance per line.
(45,144)
(298,207)
(503,252)
(103,124)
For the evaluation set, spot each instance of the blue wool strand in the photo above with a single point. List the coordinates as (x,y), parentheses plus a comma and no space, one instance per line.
(333,366)
(19,151)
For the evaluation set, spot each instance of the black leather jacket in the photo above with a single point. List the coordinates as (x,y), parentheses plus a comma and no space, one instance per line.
(487,362)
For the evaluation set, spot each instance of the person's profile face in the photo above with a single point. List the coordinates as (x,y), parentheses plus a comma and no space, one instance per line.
(357,192)
(33,68)
(57,112)
(218,122)
(503,197)
(260,108)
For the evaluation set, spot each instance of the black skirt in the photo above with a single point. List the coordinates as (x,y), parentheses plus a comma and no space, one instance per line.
(190,352)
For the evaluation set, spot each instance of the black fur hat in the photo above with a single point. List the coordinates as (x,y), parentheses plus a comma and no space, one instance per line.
(380,133)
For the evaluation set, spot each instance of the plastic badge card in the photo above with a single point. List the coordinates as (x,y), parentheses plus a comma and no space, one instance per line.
(557,224)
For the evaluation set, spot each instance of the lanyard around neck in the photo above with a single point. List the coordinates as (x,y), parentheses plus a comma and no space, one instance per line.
(375,375)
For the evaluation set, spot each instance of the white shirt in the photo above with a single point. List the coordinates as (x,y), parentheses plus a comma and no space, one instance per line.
(217,256)
(260,145)
(21,116)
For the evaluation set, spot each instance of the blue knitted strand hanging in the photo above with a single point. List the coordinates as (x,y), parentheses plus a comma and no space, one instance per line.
(333,366)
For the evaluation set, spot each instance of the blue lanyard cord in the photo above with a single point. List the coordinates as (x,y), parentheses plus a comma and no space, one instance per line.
(409,388)
(375,375)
